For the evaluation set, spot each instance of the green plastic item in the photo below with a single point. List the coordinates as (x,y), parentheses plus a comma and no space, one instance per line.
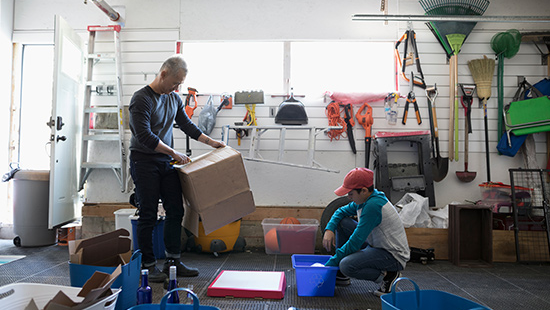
(528,116)
(505,45)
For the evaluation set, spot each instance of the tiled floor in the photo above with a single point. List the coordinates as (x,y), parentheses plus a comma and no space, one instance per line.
(503,286)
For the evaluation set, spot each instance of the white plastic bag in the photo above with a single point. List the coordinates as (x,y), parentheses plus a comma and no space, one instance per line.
(439,217)
(207,117)
(414,210)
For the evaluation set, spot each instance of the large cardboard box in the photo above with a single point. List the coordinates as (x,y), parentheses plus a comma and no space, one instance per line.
(216,190)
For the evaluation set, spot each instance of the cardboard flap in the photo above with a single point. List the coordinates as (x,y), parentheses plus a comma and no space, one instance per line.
(98,284)
(60,302)
(32,305)
(79,244)
(220,214)
(95,250)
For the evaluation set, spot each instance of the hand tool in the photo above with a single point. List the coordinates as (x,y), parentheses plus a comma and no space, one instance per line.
(366,120)
(440,165)
(411,98)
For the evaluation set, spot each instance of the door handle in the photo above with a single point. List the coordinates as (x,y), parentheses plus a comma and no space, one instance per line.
(62,138)
(60,123)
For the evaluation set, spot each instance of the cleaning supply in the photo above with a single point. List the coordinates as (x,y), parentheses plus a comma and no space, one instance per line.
(482,71)
(144,292)
(174,298)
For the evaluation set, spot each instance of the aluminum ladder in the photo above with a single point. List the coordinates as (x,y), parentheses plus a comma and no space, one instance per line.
(107,88)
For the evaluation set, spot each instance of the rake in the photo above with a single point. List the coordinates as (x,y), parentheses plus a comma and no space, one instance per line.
(451,35)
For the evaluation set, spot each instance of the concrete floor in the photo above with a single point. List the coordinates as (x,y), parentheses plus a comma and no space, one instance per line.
(503,286)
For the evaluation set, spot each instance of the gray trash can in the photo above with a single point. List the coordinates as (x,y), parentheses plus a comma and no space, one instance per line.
(31,207)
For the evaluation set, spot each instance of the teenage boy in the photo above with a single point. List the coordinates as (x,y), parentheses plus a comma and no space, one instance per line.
(374,247)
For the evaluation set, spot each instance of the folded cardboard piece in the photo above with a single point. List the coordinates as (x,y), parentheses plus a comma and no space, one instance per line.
(109,249)
(94,290)
(216,190)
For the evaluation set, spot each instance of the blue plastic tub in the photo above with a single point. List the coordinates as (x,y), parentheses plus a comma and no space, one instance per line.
(425,300)
(164,305)
(314,281)
(128,280)
(158,237)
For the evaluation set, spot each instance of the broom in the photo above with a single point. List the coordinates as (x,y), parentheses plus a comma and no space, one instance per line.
(482,71)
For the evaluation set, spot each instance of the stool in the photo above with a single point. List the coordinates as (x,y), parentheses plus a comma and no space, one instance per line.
(405,177)
(471,235)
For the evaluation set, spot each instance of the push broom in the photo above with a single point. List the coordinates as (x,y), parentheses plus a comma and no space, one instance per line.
(483,71)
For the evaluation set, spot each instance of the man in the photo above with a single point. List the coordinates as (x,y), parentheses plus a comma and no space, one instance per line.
(374,247)
(153,110)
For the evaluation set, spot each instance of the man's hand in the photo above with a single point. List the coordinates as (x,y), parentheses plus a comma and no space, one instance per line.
(329,240)
(180,158)
(216,144)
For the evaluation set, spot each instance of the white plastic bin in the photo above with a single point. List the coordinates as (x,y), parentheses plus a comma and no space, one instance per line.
(122,220)
(18,295)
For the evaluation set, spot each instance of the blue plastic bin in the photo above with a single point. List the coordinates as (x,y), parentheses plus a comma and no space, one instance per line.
(314,281)
(158,237)
(425,300)
(163,305)
(128,280)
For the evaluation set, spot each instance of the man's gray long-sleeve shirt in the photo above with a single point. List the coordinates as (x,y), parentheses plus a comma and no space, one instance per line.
(152,117)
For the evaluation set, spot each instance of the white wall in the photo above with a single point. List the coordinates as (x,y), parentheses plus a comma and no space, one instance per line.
(151,29)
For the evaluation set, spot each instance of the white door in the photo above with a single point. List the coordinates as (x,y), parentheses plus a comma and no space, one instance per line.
(65,122)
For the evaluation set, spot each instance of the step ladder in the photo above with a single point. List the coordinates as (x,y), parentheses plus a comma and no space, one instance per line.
(96,87)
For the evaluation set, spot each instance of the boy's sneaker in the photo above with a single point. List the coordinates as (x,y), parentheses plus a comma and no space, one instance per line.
(155,275)
(182,270)
(387,282)
(341,279)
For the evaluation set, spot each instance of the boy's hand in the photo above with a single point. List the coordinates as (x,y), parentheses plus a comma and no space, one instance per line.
(329,240)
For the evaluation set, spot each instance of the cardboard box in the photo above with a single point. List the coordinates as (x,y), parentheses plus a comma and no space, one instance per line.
(104,253)
(216,190)
(109,249)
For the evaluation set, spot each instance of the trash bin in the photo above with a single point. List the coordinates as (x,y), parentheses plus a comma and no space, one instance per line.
(30,208)
(122,220)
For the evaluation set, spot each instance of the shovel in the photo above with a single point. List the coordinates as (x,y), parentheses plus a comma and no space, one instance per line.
(466,176)
(440,165)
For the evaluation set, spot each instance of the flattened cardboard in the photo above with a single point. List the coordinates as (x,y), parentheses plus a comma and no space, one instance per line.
(216,189)
(98,249)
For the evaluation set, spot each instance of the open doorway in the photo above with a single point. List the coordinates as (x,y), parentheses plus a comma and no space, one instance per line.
(31,134)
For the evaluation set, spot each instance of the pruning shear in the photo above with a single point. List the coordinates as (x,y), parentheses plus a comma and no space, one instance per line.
(411,98)
(366,120)
(410,35)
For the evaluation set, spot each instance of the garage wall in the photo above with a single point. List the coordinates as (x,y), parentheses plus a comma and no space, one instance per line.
(148,38)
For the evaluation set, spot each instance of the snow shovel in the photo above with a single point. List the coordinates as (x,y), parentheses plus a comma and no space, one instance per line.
(440,165)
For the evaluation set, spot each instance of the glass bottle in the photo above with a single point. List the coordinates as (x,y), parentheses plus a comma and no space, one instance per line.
(174,298)
(144,292)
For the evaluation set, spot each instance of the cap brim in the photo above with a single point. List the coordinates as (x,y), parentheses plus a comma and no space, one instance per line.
(342,191)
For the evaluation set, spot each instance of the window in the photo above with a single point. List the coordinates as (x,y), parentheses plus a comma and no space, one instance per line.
(232,66)
(317,67)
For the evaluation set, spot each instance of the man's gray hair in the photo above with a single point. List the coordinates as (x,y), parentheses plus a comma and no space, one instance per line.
(173,64)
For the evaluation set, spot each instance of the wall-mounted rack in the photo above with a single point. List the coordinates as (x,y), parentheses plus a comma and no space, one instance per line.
(456,18)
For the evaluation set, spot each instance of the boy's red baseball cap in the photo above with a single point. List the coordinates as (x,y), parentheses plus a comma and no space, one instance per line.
(356,178)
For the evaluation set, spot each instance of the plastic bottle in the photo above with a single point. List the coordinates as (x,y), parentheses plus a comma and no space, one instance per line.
(144,292)
(174,298)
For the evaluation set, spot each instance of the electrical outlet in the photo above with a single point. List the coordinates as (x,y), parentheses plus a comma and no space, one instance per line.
(272,111)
